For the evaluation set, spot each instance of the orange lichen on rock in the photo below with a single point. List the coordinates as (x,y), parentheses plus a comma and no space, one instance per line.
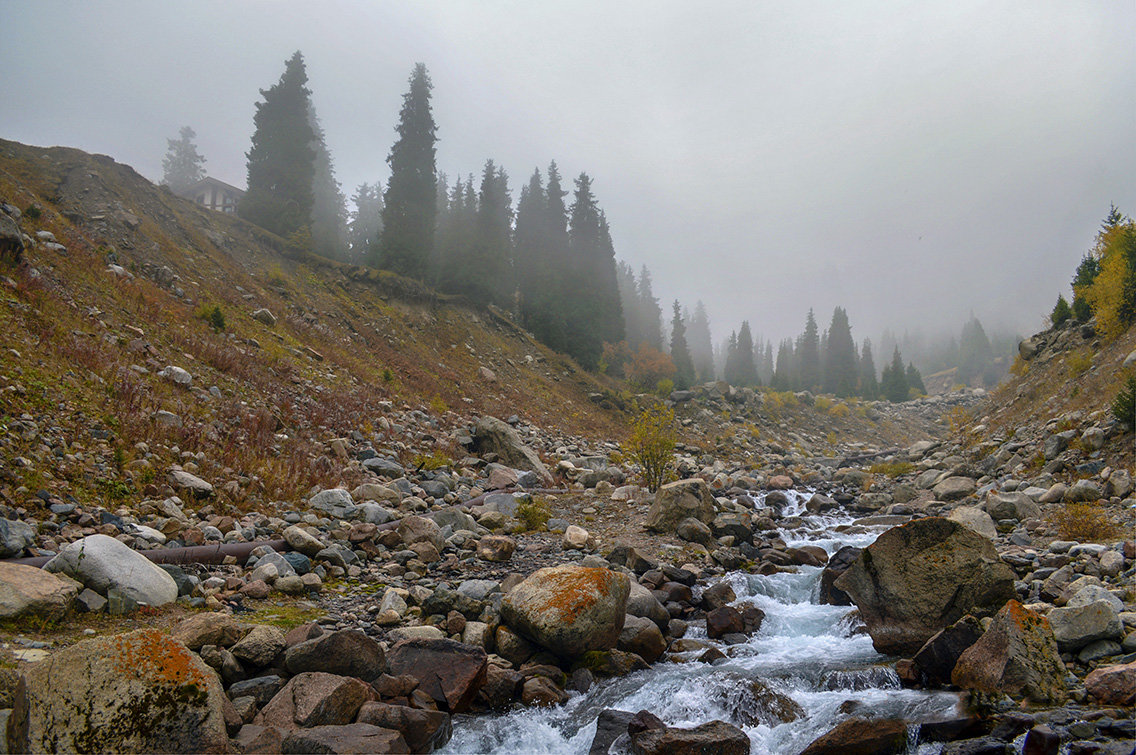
(576,590)
(153,656)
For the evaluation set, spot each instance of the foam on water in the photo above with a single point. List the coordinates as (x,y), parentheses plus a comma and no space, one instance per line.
(816,655)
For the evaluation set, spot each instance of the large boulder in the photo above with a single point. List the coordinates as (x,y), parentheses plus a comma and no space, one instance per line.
(15,535)
(447,671)
(27,592)
(1077,626)
(136,692)
(1113,685)
(955,488)
(11,240)
(315,699)
(862,736)
(921,577)
(716,737)
(569,609)
(975,518)
(1011,506)
(100,562)
(1017,656)
(342,740)
(347,653)
(837,564)
(937,658)
(676,501)
(423,730)
(491,435)
(212,628)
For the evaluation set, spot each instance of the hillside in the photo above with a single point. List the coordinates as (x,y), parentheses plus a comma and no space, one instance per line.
(122,282)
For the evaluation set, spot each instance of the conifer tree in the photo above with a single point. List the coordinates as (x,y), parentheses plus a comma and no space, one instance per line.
(281,161)
(329,210)
(840,369)
(650,312)
(182,166)
(409,209)
(784,374)
(1061,312)
(869,383)
(611,311)
(680,352)
(766,368)
(483,272)
(730,370)
(701,344)
(746,366)
(915,380)
(529,246)
(808,356)
(366,222)
(975,352)
(893,382)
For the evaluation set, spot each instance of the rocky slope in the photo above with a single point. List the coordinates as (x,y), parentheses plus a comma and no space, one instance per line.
(381,552)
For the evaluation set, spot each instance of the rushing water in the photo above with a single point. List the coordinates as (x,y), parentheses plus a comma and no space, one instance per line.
(818,656)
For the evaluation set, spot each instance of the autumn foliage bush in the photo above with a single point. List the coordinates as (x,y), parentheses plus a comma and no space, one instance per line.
(648,366)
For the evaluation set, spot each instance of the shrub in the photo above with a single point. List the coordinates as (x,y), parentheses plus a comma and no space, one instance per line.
(534,514)
(648,366)
(892,469)
(1079,362)
(1124,406)
(1061,311)
(33,212)
(839,410)
(664,387)
(822,403)
(652,445)
(1085,522)
(214,317)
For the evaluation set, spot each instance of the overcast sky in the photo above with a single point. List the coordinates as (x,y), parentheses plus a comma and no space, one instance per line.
(912,162)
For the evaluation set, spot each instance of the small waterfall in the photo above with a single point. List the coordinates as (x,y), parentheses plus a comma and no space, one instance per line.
(792,681)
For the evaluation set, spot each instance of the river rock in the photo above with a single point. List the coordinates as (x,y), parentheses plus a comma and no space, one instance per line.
(343,739)
(303,541)
(100,562)
(678,500)
(315,699)
(975,518)
(723,621)
(348,652)
(1011,506)
(1113,685)
(955,488)
(921,577)
(491,435)
(642,637)
(643,603)
(185,482)
(837,564)
(417,529)
(1077,626)
(610,726)
(30,593)
(448,671)
(937,658)
(136,692)
(569,609)
(14,537)
(259,647)
(1016,656)
(862,736)
(212,628)
(423,730)
(716,737)
(496,548)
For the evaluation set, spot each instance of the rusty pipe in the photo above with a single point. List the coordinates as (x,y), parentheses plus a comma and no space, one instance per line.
(214,553)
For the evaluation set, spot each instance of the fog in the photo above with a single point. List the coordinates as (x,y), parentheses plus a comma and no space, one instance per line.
(912,162)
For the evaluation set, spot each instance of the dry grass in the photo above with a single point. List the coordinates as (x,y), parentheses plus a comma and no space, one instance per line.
(1086,523)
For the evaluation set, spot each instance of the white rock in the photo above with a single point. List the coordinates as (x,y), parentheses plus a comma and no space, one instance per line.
(100,562)
(976,519)
(177,375)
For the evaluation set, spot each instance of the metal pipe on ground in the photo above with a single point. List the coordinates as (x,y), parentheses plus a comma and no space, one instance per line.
(194,554)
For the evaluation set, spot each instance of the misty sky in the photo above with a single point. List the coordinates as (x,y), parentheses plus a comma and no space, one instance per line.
(912,162)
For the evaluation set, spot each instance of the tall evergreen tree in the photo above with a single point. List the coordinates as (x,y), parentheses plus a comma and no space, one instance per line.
(585,320)
(746,366)
(409,207)
(840,368)
(483,271)
(784,374)
(893,382)
(366,222)
(766,368)
(281,162)
(915,379)
(701,344)
(182,166)
(650,312)
(975,352)
(680,352)
(808,355)
(329,209)
(611,311)
(869,383)
(529,245)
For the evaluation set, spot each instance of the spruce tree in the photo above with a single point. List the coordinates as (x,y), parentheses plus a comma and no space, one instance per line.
(893,382)
(329,209)
(766,368)
(784,374)
(611,311)
(366,222)
(1061,312)
(483,273)
(975,352)
(585,319)
(746,366)
(915,379)
(808,356)
(869,383)
(409,208)
(680,352)
(529,246)
(182,166)
(650,311)
(840,369)
(281,161)
(701,344)
(730,370)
